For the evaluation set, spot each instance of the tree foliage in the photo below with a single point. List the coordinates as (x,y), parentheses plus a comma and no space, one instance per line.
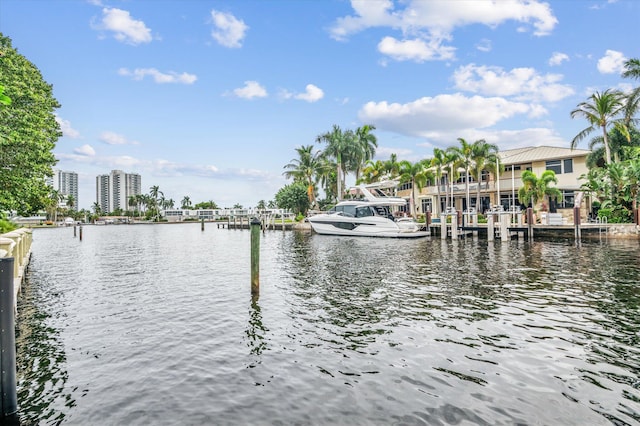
(28,132)
(535,188)
(293,197)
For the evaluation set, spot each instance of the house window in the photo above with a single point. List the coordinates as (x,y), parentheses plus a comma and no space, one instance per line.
(568,200)
(555,165)
(426,205)
(560,166)
(568,165)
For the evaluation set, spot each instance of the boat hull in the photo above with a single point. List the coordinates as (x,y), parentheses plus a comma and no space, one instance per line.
(331,224)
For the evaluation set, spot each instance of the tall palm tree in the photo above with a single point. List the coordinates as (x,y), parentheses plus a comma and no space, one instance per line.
(186,202)
(97,210)
(483,157)
(133,202)
(71,202)
(156,196)
(392,167)
(465,156)
(364,149)
(418,174)
(452,164)
(438,163)
(632,68)
(306,169)
(601,110)
(535,188)
(338,145)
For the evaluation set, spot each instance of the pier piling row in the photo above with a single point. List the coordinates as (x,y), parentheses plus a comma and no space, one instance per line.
(15,250)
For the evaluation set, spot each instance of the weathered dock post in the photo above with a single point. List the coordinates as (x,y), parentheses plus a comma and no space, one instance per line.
(491,233)
(576,222)
(74,230)
(505,221)
(202,224)
(443,226)
(80,232)
(530,223)
(454,225)
(255,256)
(8,386)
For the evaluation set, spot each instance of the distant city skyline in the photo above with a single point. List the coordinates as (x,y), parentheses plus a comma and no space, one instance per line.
(210,99)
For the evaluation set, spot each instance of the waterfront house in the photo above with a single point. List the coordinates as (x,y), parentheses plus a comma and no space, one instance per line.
(568,164)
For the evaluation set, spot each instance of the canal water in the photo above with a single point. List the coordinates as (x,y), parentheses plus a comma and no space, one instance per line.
(155,325)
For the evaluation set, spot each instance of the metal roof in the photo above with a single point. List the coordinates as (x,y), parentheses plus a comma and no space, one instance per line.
(539,153)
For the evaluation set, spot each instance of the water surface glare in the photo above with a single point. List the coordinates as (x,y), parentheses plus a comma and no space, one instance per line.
(155,325)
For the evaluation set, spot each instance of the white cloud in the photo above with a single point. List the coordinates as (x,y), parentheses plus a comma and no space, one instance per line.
(427,25)
(312,94)
(251,89)
(158,77)
(85,150)
(112,138)
(557,58)
(67,130)
(520,83)
(125,28)
(612,62)
(229,31)
(415,50)
(428,116)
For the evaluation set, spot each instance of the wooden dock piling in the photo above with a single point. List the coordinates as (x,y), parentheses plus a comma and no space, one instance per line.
(255,256)
(8,384)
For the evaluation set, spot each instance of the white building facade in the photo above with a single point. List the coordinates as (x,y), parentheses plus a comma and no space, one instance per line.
(66,183)
(113,190)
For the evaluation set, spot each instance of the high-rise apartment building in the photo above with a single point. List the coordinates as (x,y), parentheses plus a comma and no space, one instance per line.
(113,190)
(66,183)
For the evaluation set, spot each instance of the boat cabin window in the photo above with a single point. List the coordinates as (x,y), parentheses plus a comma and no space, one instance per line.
(364,211)
(345,210)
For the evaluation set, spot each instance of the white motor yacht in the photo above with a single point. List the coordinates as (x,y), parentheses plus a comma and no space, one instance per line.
(370,216)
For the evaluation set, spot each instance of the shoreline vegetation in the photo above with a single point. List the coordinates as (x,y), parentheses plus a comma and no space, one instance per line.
(613,180)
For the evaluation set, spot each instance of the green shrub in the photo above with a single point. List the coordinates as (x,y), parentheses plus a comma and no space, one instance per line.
(616,215)
(6,226)
(300,217)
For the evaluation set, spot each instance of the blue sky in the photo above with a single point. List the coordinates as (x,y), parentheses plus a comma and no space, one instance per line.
(209,99)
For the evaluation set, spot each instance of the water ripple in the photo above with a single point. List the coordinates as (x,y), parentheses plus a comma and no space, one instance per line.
(155,325)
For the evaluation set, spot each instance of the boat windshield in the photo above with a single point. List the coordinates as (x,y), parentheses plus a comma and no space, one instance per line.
(345,210)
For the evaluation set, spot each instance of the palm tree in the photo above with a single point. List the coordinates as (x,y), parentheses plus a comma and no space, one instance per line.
(452,164)
(364,149)
(483,157)
(392,167)
(53,202)
(338,145)
(71,202)
(438,163)
(133,202)
(186,202)
(632,68)
(97,210)
(156,196)
(373,171)
(306,169)
(601,110)
(535,188)
(418,174)
(465,155)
